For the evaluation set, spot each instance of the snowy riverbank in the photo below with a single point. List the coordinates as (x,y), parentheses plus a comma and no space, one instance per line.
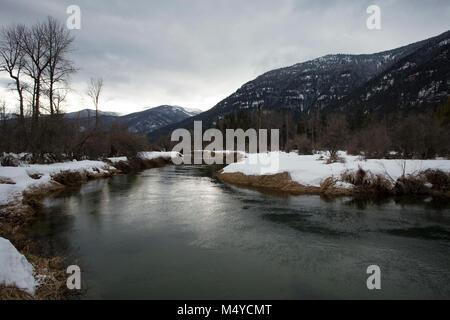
(313,170)
(15,180)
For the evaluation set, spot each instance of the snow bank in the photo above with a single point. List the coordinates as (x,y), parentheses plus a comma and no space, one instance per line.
(223,152)
(159,154)
(149,156)
(21,176)
(15,270)
(117,159)
(309,170)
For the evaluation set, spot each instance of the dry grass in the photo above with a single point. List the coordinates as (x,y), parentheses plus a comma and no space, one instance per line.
(329,188)
(52,283)
(4,180)
(70,178)
(439,179)
(280,182)
(411,185)
(35,176)
(13,293)
(334,159)
(367,182)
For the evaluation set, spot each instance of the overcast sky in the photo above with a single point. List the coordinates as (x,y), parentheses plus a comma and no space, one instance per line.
(195,53)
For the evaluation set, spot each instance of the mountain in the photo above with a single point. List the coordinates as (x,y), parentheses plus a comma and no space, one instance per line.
(416,74)
(151,119)
(142,122)
(418,80)
(89,113)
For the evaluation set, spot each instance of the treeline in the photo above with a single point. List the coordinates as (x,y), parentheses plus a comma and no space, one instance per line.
(421,135)
(37,60)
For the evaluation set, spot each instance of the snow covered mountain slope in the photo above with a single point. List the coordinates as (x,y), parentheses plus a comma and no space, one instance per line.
(344,81)
(142,122)
(418,80)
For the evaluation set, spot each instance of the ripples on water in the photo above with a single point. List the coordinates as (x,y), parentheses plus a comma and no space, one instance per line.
(177,232)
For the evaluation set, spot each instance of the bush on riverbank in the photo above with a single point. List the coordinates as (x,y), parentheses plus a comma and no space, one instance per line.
(367,182)
(137,164)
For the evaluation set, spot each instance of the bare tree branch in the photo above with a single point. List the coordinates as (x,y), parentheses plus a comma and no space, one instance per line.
(94,91)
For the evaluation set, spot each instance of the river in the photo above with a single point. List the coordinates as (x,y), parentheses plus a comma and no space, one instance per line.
(178,233)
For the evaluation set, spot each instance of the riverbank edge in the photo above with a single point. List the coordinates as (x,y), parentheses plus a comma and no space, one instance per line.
(282,182)
(17,215)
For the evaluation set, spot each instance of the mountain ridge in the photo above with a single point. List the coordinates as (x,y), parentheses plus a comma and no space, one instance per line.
(142,122)
(324,84)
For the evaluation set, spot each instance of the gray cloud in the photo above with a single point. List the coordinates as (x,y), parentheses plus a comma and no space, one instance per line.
(194,53)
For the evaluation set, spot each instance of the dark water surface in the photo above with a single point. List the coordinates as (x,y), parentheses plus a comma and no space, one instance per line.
(178,233)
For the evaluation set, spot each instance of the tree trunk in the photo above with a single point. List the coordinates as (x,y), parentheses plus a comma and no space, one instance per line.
(50,97)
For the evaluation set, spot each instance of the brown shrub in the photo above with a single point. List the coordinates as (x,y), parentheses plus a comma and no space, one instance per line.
(157,162)
(9,161)
(303,144)
(137,164)
(410,185)
(373,141)
(335,133)
(335,158)
(439,179)
(329,182)
(419,136)
(4,180)
(367,182)
(69,178)
(356,178)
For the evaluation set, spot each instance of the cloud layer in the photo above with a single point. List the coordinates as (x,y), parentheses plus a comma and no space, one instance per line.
(195,53)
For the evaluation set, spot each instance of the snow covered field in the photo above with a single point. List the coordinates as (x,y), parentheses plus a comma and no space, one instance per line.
(311,170)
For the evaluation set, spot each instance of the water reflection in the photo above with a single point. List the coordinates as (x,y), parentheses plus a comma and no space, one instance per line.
(177,232)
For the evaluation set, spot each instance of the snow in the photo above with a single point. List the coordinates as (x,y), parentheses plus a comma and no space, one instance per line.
(443,43)
(21,176)
(223,152)
(15,269)
(159,154)
(310,170)
(117,159)
(22,180)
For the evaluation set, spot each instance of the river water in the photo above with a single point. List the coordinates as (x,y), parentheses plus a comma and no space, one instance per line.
(179,233)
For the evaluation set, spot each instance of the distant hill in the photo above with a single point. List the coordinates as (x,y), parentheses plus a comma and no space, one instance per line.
(149,120)
(86,113)
(142,122)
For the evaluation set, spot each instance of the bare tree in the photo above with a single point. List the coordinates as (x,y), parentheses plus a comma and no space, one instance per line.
(59,68)
(94,91)
(59,96)
(335,134)
(3,117)
(35,46)
(13,60)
